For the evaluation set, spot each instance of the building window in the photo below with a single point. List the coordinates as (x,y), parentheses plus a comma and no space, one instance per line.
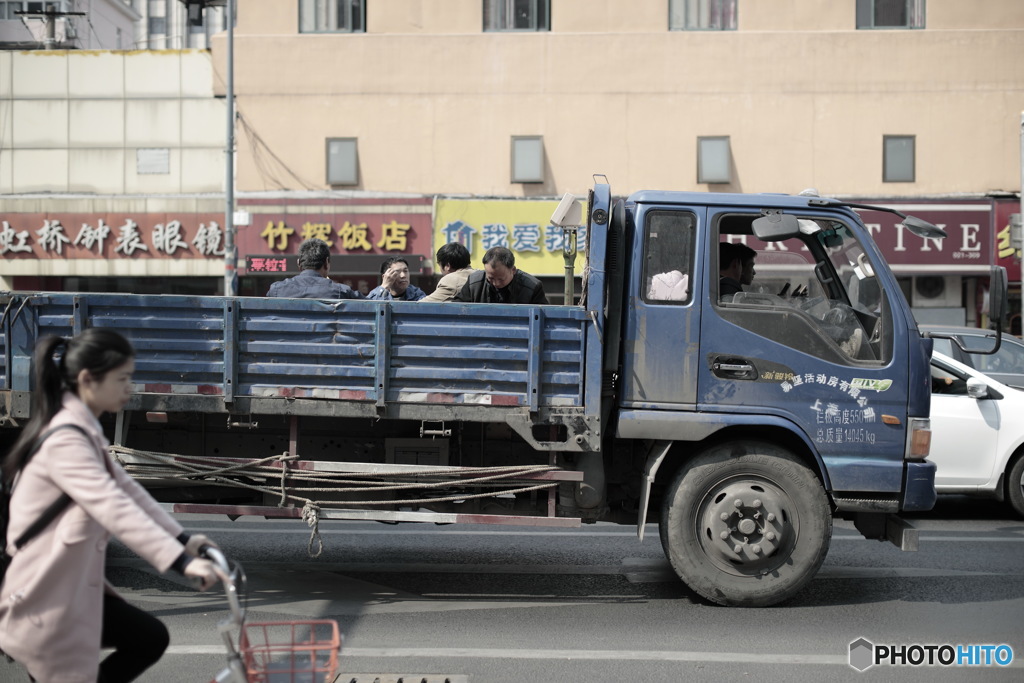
(527,159)
(698,15)
(157,25)
(332,16)
(8,8)
(342,161)
(890,14)
(153,161)
(714,160)
(898,158)
(517,15)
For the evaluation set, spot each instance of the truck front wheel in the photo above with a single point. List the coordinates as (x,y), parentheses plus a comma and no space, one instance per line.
(746,524)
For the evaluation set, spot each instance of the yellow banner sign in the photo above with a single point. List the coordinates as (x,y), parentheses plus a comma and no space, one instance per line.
(523,226)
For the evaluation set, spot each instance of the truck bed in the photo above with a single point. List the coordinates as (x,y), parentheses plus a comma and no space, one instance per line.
(524,365)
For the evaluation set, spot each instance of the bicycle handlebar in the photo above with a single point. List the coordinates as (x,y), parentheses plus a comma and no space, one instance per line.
(231,585)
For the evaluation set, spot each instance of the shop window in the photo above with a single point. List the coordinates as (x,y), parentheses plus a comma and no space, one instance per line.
(332,16)
(702,15)
(898,158)
(517,15)
(890,14)
(342,161)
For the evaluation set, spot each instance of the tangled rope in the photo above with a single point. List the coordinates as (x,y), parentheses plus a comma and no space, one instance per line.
(291,484)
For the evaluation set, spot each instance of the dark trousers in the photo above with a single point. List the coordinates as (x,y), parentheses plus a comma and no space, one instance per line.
(139,640)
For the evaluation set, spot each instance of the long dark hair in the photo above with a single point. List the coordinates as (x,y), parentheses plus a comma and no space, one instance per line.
(96,349)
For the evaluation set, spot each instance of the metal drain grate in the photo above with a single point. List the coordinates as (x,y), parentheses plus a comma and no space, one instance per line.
(402,678)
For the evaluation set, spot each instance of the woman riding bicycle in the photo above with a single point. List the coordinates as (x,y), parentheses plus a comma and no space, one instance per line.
(56,609)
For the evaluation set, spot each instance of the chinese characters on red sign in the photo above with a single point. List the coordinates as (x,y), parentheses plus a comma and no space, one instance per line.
(97,237)
(351,237)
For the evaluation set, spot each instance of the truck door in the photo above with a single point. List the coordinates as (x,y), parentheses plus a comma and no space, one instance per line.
(662,322)
(810,340)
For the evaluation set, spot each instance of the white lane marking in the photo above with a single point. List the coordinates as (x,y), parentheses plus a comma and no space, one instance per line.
(588,534)
(634,569)
(498,653)
(564,655)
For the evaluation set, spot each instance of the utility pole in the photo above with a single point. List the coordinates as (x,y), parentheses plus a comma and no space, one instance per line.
(230,251)
(195,10)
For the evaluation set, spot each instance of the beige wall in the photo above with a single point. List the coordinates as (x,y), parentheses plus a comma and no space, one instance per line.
(278,17)
(804,97)
(434,102)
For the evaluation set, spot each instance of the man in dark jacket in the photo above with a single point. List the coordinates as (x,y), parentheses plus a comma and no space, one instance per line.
(312,282)
(501,283)
(736,267)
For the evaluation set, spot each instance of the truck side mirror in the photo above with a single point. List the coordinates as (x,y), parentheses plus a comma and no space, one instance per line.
(922,228)
(997,296)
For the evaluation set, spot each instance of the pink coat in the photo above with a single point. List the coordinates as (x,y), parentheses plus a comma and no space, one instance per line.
(51,600)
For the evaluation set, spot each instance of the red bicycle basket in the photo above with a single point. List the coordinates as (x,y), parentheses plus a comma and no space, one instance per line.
(290,651)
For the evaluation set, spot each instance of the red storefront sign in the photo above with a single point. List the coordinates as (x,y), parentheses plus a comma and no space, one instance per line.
(968,248)
(360,232)
(120,235)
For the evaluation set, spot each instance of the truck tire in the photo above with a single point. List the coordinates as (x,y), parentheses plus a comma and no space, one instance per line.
(1015,486)
(746,524)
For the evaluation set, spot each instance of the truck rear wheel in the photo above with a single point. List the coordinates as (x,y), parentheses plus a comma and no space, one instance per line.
(746,524)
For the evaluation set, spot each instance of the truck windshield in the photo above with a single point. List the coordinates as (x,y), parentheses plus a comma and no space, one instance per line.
(825,276)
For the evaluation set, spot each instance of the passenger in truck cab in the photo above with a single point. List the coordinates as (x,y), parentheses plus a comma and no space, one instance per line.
(736,268)
(394,274)
(500,282)
(453,260)
(312,282)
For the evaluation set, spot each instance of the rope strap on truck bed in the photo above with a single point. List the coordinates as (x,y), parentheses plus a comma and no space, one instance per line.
(277,475)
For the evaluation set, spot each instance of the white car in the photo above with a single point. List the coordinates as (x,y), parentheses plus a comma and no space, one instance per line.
(977,433)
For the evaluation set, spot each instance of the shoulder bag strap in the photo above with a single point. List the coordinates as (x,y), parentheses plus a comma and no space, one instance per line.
(57,506)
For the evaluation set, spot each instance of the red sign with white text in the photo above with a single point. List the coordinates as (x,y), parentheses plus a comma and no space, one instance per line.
(111,235)
(967,248)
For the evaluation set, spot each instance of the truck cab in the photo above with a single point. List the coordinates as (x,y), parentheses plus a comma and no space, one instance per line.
(764,412)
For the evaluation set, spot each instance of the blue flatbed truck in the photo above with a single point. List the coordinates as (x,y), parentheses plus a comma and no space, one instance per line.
(740,424)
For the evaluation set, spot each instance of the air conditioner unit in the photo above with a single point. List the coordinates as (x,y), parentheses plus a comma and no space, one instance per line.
(936,291)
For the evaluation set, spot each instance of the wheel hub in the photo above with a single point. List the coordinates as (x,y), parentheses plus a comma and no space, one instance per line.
(745,522)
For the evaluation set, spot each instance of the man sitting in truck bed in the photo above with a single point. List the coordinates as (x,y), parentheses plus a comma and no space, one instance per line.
(312,282)
(453,260)
(395,286)
(501,283)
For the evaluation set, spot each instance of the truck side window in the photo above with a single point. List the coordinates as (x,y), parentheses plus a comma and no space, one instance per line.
(815,292)
(668,257)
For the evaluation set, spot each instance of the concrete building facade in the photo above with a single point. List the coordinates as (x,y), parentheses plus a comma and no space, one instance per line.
(477,113)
